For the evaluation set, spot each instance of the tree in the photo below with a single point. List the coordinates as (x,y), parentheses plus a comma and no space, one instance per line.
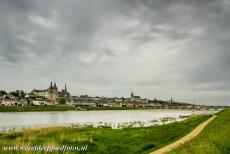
(62,101)
(2,93)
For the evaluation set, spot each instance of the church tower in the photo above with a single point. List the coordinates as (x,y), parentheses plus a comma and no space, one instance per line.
(51,85)
(132,95)
(65,89)
(55,86)
(52,91)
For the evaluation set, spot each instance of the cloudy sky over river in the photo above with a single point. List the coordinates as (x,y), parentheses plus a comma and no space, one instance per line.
(157,48)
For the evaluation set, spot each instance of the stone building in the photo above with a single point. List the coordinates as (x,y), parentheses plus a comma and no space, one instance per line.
(51,93)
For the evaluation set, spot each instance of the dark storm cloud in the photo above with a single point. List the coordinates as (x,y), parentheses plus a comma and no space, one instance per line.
(108,47)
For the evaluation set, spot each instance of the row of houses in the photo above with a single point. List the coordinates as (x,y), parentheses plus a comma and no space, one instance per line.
(12,102)
(24,102)
(85,100)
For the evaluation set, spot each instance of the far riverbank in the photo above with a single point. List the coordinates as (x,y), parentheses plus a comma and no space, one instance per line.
(64,108)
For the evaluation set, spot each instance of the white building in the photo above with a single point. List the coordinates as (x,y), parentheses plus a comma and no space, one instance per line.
(11,102)
(42,103)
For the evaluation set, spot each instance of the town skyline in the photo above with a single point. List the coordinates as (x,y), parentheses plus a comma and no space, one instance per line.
(54,96)
(129,95)
(159,49)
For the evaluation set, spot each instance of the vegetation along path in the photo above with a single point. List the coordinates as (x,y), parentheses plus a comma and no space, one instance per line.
(101,140)
(185,139)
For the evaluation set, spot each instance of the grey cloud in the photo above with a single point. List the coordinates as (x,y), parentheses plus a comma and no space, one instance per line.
(154,47)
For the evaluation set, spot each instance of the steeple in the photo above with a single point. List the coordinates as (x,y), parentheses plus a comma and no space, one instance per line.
(55,86)
(51,85)
(65,88)
(132,94)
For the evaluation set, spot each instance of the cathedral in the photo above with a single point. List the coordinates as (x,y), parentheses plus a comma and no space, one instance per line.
(64,93)
(51,93)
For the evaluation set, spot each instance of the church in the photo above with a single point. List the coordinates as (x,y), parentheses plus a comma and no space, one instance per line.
(51,93)
(64,93)
(134,97)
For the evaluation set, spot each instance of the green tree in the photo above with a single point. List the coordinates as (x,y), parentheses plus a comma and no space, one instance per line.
(62,101)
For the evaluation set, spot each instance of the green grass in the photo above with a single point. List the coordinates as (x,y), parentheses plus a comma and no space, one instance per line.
(35,108)
(214,139)
(103,140)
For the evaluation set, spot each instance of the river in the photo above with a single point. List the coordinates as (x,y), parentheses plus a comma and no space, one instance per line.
(113,118)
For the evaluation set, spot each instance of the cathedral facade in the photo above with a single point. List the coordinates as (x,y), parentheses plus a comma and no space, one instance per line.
(51,93)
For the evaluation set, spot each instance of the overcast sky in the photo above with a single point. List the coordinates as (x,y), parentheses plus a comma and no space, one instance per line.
(156,48)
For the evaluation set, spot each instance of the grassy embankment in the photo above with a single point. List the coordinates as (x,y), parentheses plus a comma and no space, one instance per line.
(61,108)
(214,139)
(103,140)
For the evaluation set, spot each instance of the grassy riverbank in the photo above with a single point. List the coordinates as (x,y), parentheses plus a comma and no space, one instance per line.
(61,108)
(214,139)
(103,140)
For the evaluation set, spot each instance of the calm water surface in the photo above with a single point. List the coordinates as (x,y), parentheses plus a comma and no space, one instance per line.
(114,118)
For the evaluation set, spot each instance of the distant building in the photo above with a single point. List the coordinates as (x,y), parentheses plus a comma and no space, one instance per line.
(89,101)
(114,104)
(64,93)
(42,103)
(154,104)
(133,96)
(12,102)
(83,100)
(51,93)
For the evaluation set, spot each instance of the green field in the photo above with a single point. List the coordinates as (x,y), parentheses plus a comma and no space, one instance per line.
(103,140)
(214,139)
(35,108)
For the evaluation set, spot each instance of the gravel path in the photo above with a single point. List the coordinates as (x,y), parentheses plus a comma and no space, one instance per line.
(185,139)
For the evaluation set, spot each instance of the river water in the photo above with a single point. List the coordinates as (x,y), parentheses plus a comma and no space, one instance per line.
(113,118)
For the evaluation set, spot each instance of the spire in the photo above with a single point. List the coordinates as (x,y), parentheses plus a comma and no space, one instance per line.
(132,94)
(65,88)
(51,85)
(55,86)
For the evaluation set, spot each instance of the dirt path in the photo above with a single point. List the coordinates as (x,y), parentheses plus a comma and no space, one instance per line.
(185,139)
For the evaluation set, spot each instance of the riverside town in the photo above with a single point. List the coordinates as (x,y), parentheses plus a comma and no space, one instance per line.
(52,96)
